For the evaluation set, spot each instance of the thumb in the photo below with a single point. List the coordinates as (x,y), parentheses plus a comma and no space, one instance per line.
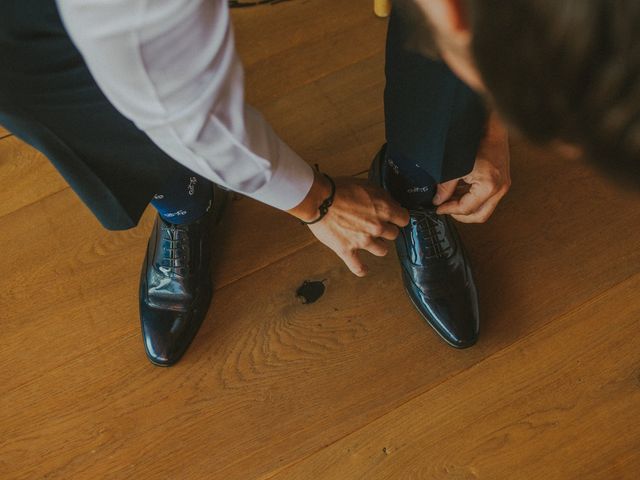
(445,191)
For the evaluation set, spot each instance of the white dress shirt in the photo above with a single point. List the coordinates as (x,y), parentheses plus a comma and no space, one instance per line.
(171,67)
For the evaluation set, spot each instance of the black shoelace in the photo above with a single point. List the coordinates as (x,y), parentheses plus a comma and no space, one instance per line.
(435,243)
(175,249)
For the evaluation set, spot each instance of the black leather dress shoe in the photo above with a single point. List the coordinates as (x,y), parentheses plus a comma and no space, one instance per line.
(175,284)
(436,270)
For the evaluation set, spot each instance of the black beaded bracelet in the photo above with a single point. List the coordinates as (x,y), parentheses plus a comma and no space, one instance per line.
(324,206)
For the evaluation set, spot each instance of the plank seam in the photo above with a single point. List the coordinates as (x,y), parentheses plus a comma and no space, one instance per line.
(35,202)
(262,104)
(258,269)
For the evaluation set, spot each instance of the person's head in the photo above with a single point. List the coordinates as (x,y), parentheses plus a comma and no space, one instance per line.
(558,71)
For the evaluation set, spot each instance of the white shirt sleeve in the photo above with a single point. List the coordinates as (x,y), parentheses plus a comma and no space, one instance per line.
(171,67)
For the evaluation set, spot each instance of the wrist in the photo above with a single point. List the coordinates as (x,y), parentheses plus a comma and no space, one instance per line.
(496,128)
(308,209)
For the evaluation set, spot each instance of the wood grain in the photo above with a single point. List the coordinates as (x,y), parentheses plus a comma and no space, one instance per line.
(271,386)
(561,403)
(27,176)
(277,75)
(266,32)
(269,381)
(337,121)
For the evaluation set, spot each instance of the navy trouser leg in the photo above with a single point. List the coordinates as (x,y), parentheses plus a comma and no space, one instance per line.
(49,99)
(434,122)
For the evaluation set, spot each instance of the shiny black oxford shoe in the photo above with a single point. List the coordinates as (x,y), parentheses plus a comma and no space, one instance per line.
(435,270)
(175,283)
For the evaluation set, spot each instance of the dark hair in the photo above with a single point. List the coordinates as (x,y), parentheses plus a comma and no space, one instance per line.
(565,70)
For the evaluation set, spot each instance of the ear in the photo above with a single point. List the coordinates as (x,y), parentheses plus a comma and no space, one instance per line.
(449,15)
(459,15)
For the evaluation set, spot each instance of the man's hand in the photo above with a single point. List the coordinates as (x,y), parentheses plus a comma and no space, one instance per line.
(484,187)
(361,218)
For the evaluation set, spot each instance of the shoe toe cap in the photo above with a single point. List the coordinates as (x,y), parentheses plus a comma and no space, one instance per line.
(455,317)
(166,334)
(456,322)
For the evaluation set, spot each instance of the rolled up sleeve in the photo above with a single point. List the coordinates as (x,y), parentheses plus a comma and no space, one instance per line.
(171,67)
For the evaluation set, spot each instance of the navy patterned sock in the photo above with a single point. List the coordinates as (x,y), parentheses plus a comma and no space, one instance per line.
(409,183)
(184,199)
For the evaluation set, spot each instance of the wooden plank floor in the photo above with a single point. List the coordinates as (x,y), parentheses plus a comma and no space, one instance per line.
(354,386)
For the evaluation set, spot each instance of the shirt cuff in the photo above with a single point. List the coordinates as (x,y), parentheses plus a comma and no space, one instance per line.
(289,183)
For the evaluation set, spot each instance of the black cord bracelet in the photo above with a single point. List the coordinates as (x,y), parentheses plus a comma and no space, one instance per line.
(324,206)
